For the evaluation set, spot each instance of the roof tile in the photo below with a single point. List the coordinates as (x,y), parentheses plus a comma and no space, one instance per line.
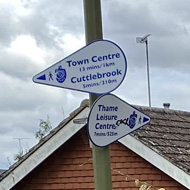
(168,134)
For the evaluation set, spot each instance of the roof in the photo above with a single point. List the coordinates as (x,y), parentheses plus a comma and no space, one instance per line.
(1,172)
(36,155)
(164,142)
(168,134)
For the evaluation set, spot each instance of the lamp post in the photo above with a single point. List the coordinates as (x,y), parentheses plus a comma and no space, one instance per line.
(145,40)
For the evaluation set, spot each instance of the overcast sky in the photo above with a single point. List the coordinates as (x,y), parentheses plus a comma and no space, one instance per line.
(36,34)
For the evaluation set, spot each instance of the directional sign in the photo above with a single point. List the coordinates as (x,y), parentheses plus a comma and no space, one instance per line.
(111,118)
(99,67)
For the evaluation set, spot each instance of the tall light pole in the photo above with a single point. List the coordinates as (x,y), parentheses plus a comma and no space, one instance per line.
(145,40)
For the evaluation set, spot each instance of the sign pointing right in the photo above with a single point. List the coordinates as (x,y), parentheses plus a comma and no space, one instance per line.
(111,118)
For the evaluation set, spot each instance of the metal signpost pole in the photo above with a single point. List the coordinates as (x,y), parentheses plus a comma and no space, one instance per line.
(101,156)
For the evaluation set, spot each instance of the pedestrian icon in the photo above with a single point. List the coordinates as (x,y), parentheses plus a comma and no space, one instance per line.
(140,120)
(50,76)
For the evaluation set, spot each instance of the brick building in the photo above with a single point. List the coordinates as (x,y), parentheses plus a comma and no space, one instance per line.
(154,157)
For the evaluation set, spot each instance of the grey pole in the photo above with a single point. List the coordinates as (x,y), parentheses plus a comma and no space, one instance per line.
(101,156)
(145,40)
(148,73)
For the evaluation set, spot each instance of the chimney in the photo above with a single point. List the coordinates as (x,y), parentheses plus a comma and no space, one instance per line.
(166,105)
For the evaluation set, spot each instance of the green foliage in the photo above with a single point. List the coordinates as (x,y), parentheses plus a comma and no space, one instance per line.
(19,155)
(44,128)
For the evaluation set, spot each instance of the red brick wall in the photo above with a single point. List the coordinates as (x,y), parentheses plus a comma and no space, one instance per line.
(128,168)
(70,167)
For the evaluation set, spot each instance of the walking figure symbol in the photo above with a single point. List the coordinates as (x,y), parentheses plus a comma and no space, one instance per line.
(50,76)
(140,120)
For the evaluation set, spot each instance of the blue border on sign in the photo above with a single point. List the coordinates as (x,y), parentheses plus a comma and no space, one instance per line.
(125,72)
(123,135)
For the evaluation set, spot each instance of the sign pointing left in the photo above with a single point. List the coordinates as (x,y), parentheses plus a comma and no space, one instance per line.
(100,67)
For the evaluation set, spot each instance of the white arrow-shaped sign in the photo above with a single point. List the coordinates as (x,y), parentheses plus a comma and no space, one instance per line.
(111,118)
(99,67)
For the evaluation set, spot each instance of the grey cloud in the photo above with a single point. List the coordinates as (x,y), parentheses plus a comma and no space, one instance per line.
(134,17)
(168,45)
(49,20)
(16,66)
(8,23)
(46,21)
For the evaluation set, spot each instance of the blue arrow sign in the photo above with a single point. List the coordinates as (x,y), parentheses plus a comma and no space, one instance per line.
(42,77)
(145,119)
